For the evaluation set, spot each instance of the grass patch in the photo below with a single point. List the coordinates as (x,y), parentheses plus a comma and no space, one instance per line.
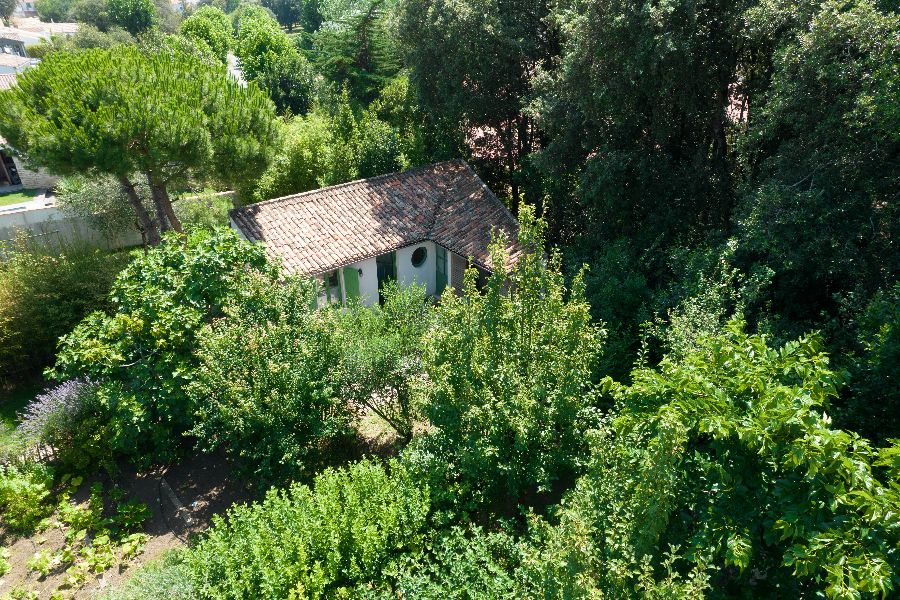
(18,197)
(12,401)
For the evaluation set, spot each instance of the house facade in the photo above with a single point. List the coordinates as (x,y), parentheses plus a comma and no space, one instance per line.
(424,226)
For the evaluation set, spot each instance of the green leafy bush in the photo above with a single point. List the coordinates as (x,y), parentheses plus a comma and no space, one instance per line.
(301,164)
(210,28)
(143,352)
(381,355)
(510,375)
(165,578)
(354,526)
(264,389)
(44,293)
(725,453)
(24,493)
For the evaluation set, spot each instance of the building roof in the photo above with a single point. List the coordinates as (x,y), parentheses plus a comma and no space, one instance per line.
(324,229)
(14,60)
(7,80)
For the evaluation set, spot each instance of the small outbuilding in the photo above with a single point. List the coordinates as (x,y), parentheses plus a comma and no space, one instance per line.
(423,226)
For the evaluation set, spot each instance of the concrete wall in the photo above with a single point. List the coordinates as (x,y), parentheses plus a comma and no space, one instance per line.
(50,226)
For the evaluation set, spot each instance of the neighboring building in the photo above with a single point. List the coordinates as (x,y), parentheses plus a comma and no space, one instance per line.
(26,8)
(31,30)
(423,226)
(13,63)
(12,43)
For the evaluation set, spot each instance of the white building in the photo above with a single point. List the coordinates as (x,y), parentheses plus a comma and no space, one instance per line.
(422,226)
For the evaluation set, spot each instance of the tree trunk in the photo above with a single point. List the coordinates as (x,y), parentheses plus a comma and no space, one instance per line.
(163,204)
(148,225)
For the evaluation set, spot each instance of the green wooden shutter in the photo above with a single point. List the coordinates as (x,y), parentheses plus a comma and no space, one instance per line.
(440,260)
(351,283)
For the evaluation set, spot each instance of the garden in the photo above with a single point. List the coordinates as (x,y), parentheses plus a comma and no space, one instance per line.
(511,458)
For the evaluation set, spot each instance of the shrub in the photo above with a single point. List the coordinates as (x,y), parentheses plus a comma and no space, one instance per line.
(165,578)
(462,564)
(209,26)
(101,202)
(65,423)
(43,295)
(725,453)
(206,210)
(381,360)
(510,375)
(302,162)
(354,526)
(264,389)
(24,491)
(143,351)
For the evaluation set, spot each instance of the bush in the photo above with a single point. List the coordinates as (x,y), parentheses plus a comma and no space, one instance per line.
(381,355)
(264,389)
(101,202)
(165,578)
(462,564)
(65,423)
(144,350)
(206,210)
(24,492)
(510,374)
(301,164)
(208,26)
(354,526)
(43,295)
(726,454)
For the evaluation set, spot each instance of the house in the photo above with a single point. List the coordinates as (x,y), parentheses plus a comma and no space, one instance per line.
(12,43)
(26,8)
(424,226)
(13,174)
(13,63)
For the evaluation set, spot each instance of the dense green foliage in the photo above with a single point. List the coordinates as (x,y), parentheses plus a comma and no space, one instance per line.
(381,362)
(195,122)
(44,293)
(510,380)
(135,16)
(353,527)
(24,492)
(210,27)
(268,57)
(143,350)
(264,389)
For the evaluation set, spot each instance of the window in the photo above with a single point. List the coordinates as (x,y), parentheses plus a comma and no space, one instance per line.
(418,256)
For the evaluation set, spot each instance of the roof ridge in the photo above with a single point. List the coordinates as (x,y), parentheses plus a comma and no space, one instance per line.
(300,195)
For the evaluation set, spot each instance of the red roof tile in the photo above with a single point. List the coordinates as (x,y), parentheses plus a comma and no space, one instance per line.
(323,229)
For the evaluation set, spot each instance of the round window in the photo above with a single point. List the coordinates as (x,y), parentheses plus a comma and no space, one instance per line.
(418,256)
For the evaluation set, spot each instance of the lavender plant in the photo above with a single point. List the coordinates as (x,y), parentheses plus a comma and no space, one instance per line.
(48,421)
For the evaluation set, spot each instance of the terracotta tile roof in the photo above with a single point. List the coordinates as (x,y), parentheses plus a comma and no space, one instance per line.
(14,60)
(324,229)
(7,80)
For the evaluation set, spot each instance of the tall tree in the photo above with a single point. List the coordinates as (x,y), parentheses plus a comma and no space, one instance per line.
(473,63)
(268,57)
(210,28)
(7,7)
(163,114)
(135,16)
(358,50)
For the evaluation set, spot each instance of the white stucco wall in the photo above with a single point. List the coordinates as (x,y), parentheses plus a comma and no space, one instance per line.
(368,281)
(407,274)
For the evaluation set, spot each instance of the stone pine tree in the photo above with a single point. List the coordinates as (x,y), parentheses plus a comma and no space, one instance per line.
(165,116)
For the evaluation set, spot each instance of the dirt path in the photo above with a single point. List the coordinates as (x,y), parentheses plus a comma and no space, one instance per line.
(182,500)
